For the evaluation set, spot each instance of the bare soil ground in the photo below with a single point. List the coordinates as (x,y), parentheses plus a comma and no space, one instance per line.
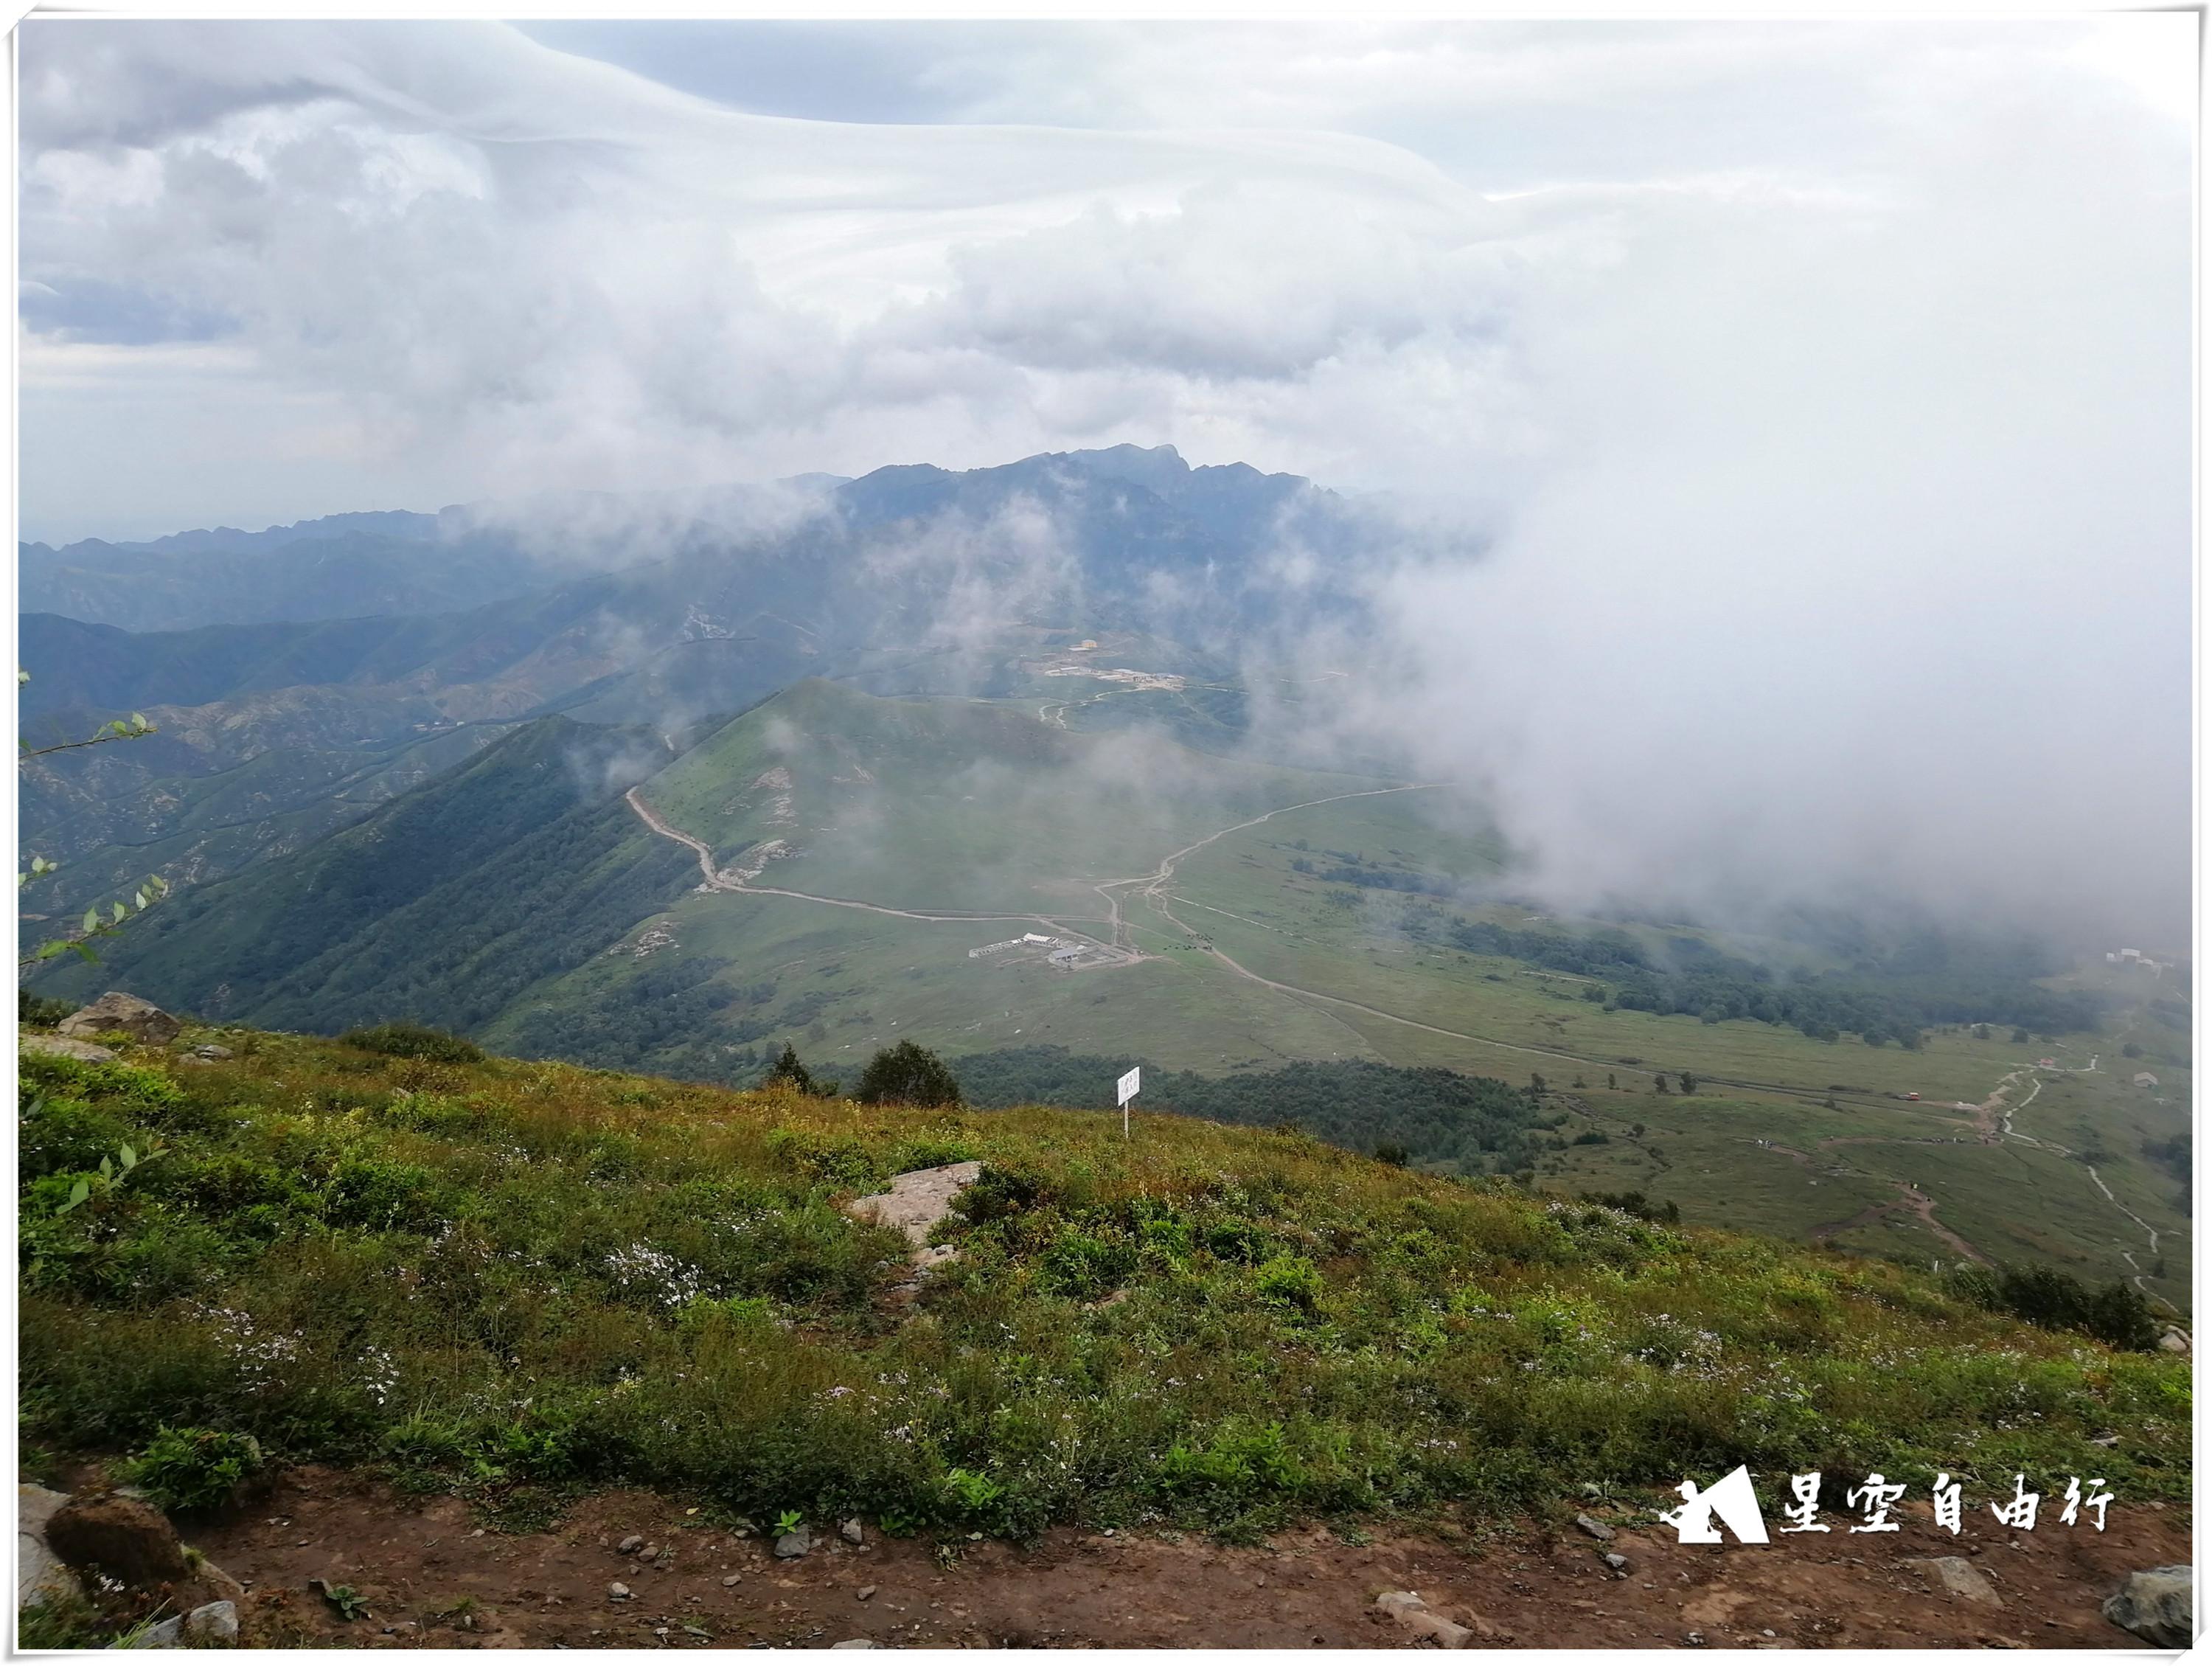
(433,1577)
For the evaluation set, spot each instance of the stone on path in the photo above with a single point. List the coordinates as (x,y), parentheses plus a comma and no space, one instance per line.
(795,1544)
(1961,1578)
(1596,1530)
(1407,1608)
(41,1575)
(215,1621)
(2156,1606)
(916,1201)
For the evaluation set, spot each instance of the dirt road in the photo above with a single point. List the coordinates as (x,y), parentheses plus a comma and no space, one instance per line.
(719,880)
(431,1579)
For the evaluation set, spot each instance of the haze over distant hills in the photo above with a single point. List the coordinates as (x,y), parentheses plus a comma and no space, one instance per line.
(1090,756)
(911,579)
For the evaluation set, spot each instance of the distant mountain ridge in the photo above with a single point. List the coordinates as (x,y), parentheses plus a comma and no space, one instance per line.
(303,672)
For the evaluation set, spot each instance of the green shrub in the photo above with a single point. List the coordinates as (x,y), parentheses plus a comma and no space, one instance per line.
(1084,1267)
(907,1074)
(1288,1281)
(2116,1315)
(194,1469)
(842,1164)
(40,1011)
(414,1041)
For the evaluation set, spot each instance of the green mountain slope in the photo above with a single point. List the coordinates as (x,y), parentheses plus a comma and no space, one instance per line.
(513,1281)
(449,903)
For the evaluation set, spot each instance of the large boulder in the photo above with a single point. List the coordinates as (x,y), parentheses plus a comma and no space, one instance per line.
(123,1537)
(2155,1605)
(141,1020)
(41,1575)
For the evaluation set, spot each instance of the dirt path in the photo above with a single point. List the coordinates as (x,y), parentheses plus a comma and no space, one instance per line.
(719,880)
(1158,878)
(432,1580)
(1913,1200)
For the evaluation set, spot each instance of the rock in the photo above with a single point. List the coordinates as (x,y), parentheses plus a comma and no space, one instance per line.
(41,1575)
(632,1545)
(210,1051)
(1961,1578)
(2155,1605)
(729,1578)
(1596,1528)
(2174,1340)
(916,1201)
(865,1592)
(36,1041)
(125,1538)
(618,1592)
(2107,1439)
(795,1544)
(1406,1607)
(216,1621)
(1616,1561)
(850,1529)
(854,1642)
(141,1020)
(163,1636)
(649,1552)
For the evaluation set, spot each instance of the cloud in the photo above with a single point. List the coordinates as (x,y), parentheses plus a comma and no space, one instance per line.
(1858,560)
(1817,393)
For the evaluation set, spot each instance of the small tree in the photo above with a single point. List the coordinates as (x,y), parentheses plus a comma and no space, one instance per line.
(1689,1083)
(1393,1153)
(788,1070)
(907,1074)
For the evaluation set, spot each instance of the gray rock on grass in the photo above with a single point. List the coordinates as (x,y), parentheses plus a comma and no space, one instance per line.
(141,1020)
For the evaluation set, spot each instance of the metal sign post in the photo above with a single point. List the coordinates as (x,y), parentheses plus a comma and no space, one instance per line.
(1126,1090)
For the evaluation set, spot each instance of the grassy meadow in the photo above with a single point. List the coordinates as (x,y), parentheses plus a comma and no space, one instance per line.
(515,1280)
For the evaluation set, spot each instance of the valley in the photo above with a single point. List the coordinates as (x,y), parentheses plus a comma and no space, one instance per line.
(1022,842)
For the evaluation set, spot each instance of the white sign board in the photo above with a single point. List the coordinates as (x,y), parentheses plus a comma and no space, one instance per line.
(1126,1089)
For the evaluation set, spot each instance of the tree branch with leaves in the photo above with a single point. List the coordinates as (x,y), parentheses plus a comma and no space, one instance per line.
(96,922)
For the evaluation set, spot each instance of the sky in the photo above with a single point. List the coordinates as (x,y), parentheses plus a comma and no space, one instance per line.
(1825,385)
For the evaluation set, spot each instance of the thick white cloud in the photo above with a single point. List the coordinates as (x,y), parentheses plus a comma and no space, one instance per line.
(1827,383)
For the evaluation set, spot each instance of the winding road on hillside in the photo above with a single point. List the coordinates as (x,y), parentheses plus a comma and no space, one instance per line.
(717,880)
(1992,1119)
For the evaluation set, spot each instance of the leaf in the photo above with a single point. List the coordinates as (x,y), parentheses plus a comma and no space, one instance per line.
(78,1193)
(121,913)
(140,900)
(92,920)
(130,1159)
(107,1168)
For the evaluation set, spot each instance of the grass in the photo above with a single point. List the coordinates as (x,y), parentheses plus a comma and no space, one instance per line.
(842,983)
(513,1280)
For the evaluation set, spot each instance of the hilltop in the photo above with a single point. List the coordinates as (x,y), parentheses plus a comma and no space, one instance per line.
(519,1284)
